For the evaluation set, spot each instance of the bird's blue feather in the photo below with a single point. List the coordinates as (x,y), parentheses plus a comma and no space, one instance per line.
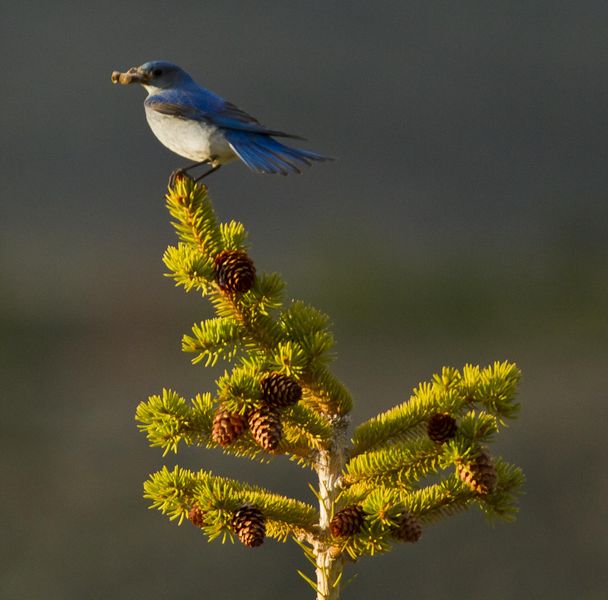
(264,154)
(203,105)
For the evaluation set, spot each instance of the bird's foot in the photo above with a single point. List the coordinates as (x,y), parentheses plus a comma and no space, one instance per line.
(176,176)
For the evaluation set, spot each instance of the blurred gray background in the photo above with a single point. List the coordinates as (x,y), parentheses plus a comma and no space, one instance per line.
(465,220)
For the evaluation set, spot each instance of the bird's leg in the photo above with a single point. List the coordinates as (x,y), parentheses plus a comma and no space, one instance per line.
(213,169)
(184,171)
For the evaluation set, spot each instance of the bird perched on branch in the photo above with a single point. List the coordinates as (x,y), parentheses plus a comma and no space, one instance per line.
(200,125)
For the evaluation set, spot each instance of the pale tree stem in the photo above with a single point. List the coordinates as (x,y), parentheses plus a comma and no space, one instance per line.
(329,468)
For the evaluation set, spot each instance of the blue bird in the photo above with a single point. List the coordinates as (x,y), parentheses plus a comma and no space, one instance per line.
(200,125)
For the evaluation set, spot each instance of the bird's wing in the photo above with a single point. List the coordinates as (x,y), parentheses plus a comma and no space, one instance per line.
(211,109)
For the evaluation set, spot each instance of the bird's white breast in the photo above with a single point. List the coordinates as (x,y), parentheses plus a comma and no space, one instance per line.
(195,140)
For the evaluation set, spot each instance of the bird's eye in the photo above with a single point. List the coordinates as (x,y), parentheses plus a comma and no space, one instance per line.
(157,72)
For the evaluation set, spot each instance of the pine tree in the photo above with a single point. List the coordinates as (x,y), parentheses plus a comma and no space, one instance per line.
(384,484)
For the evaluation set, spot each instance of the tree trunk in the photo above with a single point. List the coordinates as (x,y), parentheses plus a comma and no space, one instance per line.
(329,468)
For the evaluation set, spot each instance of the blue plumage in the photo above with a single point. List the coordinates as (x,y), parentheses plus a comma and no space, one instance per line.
(200,125)
(263,154)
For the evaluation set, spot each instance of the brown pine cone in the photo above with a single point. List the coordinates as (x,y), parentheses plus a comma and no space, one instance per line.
(234,271)
(280,390)
(227,426)
(441,427)
(408,528)
(265,427)
(479,474)
(197,516)
(249,524)
(348,521)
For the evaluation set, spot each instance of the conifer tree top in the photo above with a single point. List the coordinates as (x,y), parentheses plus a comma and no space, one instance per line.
(380,485)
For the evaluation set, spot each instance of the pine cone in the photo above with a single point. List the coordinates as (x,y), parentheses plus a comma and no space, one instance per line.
(249,524)
(197,516)
(265,427)
(280,390)
(348,521)
(479,474)
(441,427)
(234,271)
(227,426)
(408,528)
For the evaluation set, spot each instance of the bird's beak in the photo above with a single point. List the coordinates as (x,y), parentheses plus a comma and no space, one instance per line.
(133,75)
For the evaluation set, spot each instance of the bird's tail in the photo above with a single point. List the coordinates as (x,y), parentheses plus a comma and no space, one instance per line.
(264,154)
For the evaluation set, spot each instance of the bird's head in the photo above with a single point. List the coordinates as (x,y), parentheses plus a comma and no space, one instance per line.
(153,75)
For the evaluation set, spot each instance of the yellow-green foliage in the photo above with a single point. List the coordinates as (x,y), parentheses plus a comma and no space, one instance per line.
(391,467)
(493,388)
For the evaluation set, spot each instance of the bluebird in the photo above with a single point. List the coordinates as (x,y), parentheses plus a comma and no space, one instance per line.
(200,125)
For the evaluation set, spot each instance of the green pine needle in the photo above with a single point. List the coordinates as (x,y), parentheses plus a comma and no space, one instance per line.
(391,468)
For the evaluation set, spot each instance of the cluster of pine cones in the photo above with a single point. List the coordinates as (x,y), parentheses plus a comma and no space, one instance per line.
(279,391)
(264,423)
(235,274)
(479,473)
(350,520)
